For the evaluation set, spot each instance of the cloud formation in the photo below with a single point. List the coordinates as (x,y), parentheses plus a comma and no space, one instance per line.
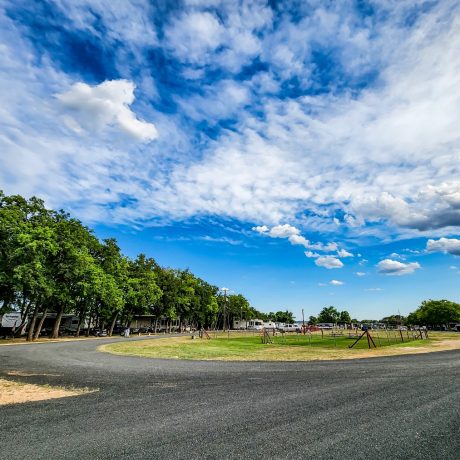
(393,267)
(445,245)
(106,104)
(328,262)
(317,117)
(336,283)
(292,234)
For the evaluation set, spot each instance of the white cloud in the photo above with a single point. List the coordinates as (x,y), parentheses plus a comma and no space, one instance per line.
(328,262)
(311,254)
(360,274)
(336,283)
(193,35)
(107,104)
(361,153)
(446,245)
(364,155)
(453,267)
(261,229)
(374,289)
(344,253)
(292,234)
(393,267)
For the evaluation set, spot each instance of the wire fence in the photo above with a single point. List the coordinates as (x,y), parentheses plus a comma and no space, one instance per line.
(340,338)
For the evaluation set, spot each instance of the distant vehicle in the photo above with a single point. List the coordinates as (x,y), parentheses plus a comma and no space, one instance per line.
(326,325)
(255,325)
(251,324)
(290,327)
(99,332)
(10,320)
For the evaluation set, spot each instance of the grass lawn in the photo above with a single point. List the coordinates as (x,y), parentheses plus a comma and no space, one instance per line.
(295,347)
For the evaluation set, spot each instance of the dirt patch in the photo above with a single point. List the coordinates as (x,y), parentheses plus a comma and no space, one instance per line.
(439,345)
(29,374)
(17,392)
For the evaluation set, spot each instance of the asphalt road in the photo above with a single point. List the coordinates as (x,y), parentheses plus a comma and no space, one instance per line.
(383,408)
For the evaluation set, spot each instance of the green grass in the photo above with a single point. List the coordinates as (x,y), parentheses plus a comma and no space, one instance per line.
(248,347)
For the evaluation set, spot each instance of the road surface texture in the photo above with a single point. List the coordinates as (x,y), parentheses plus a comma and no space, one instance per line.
(383,408)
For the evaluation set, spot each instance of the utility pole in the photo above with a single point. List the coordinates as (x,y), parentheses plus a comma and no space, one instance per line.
(225,290)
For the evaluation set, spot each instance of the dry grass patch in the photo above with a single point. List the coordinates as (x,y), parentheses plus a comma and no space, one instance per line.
(18,392)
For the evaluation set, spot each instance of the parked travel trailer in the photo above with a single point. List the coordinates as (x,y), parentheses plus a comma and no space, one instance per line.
(253,324)
(10,320)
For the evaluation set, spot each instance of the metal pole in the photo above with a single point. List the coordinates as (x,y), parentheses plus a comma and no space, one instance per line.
(225,308)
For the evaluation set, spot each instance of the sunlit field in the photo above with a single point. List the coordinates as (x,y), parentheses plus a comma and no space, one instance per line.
(241,346)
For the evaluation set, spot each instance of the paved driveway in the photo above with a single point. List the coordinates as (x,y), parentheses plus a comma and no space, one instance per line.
(384,408)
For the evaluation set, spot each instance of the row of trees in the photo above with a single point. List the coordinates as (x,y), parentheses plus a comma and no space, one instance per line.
(50,262)
(435,313)
(332,315)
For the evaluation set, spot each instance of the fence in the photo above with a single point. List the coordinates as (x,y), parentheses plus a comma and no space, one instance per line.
(340,338)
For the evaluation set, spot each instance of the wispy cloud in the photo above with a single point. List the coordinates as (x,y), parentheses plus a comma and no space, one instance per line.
(336,283)
(248,121)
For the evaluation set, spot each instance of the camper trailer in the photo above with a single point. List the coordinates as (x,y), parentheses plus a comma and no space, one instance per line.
(253,324)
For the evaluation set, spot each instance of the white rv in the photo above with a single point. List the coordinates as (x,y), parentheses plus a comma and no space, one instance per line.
(253,324)
(10,320)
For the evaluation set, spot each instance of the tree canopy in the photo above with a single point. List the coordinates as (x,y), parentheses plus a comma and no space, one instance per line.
(435,313)
(51,262)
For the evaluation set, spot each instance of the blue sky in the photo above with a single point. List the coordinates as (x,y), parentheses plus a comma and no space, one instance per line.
(302,153)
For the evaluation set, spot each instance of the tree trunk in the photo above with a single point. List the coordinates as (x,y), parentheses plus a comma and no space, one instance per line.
(112,325)
(57,323)
(30,332)
(40,324)
(77,332)
(90,320)
(24,314)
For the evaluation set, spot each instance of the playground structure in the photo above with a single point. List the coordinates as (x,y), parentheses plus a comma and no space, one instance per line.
(314,335)
(328,338)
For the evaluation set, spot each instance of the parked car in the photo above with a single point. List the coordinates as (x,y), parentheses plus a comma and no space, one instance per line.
(97,332)
(118,329)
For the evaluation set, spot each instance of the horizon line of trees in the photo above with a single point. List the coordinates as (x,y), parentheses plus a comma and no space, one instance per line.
(429,313)
(51,262)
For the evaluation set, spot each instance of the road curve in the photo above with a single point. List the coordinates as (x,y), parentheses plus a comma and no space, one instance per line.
(403,407)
